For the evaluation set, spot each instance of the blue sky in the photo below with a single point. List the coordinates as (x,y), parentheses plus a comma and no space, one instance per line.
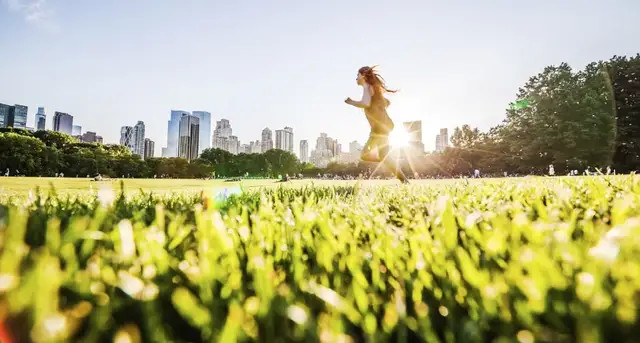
(292,63)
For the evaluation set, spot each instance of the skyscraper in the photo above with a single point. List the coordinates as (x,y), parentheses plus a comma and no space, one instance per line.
(126,137)
(173,127)
(255,147)
(414,128)
(138,139)
(220,143)
(284,139)
(189,137)
(41,119)
(267,141)
(442,140)
(244,149)
(289,134)
(149,147)
(205,130)
(133,138)
(234,145)
(17,116)
(328,143)
(62,122)
(221,135)
(280,140)
(76,130)
(326,150)
(304,151)
(4,115)
(353,156)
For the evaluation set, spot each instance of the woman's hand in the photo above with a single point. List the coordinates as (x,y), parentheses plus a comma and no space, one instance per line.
(348,101)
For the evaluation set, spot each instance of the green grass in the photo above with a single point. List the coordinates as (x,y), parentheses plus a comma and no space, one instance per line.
(503,260)
(21,186)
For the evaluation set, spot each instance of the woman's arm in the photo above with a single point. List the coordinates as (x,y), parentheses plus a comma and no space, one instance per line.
(365,101)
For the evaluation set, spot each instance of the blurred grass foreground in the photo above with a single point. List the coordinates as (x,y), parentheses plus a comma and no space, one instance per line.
(512,260)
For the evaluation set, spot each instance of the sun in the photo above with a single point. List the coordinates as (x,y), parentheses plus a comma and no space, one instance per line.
(399,138)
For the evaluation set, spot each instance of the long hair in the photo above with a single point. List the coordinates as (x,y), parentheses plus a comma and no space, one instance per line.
(374,79)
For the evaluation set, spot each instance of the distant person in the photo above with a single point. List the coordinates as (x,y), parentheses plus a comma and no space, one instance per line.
(375,108)
(476,173)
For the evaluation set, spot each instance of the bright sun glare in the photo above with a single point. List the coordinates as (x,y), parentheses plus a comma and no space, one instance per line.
(399,138)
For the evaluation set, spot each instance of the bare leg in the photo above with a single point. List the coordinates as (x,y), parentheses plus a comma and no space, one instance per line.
(391,164)
(369,158)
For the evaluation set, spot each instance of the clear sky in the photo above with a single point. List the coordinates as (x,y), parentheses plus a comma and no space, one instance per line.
(292,63)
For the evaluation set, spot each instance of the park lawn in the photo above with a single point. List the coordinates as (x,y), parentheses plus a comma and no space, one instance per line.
(533,259)
(20,186)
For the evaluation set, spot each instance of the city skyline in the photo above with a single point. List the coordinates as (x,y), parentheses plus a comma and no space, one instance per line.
(461,62)
(134,138)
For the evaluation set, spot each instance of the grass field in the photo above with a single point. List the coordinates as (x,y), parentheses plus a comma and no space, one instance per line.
(525,260)
(20,186)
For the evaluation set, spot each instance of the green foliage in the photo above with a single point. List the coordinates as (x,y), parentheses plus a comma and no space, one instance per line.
(465,137)
(269,164)
(535,259)
(570,122)
(624,76)
(20,153)
(54,138)
(47,153)
(281,162)
(19,131)
(571,119)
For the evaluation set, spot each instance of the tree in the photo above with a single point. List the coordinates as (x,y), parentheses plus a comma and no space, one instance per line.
(465,137)
(251,164)
(128,165)
(152,167)
(199,168)
(624,76)
(173,167)
(117,150)
(216,156)
(52,161)
(221,160)
(54,138)
(281,162)
(466,155)
(19,131)
(20,153)
(569,122)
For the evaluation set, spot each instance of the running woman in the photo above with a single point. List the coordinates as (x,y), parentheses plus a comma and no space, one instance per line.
(375,108)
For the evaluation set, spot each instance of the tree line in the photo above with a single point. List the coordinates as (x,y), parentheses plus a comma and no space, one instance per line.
(51,153)
(571,119)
